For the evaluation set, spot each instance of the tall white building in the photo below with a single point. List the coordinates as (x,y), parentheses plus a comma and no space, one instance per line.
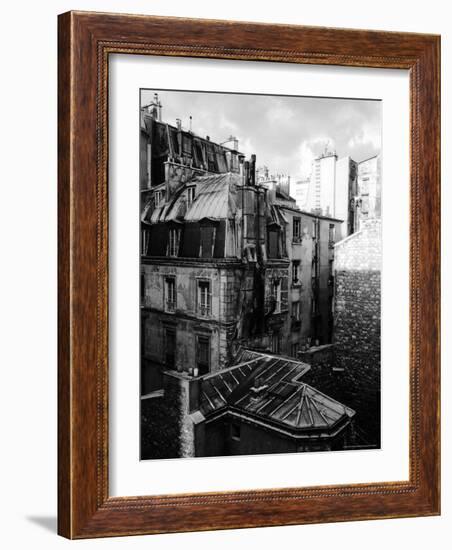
(331,188)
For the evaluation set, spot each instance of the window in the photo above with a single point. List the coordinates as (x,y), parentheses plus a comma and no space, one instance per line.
(332,233)
(251,253)
(296,311)
(314,307)
(186,145)
(276,342)
(158,197)
(203,354)
(144,241)
(235,431)
(170,294)
(142,287)
(296,234)
(170,347)
(315,227)
(296,272)
(276,294)
(204,298)
(173,244)
(207,241)
(273,237)
(191,193)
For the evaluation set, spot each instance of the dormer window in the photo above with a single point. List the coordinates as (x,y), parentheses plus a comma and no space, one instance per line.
(191,193)
(159,197)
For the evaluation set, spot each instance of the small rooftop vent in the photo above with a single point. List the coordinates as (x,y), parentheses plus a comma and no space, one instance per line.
(258,388)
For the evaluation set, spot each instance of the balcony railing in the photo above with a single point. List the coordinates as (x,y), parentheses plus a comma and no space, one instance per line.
(204,310)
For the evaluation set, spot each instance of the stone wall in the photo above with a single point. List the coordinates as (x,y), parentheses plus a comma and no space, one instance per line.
(167,427)
(357,323)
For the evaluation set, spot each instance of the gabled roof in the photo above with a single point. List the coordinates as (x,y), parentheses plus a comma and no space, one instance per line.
(269,389)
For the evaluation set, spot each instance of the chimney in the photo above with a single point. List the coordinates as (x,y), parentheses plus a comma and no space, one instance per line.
(253,170)
(179,135)
(241,168)
(246,173)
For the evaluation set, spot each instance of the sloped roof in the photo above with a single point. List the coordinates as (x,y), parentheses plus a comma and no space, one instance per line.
(296,405)
(219,389)
(269,388)
(215,197)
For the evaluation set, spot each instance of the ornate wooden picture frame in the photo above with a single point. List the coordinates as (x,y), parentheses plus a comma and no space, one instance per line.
(86,41)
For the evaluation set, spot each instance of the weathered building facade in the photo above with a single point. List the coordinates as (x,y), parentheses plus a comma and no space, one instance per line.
(229,263)
(228,260)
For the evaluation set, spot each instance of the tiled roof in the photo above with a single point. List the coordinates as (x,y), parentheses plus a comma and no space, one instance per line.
(268,388)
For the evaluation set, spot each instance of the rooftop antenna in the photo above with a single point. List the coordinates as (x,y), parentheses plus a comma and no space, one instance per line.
(191,119)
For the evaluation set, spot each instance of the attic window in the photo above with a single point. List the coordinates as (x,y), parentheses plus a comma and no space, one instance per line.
(191,193)
(158,197)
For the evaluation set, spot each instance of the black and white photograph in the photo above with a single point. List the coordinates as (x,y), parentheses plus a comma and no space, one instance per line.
(260,265)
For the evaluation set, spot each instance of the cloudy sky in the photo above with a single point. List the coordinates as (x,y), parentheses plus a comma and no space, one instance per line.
(285,133)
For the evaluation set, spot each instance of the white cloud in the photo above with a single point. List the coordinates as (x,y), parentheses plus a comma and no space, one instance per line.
(367,136)
(278,113)
(310,149)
